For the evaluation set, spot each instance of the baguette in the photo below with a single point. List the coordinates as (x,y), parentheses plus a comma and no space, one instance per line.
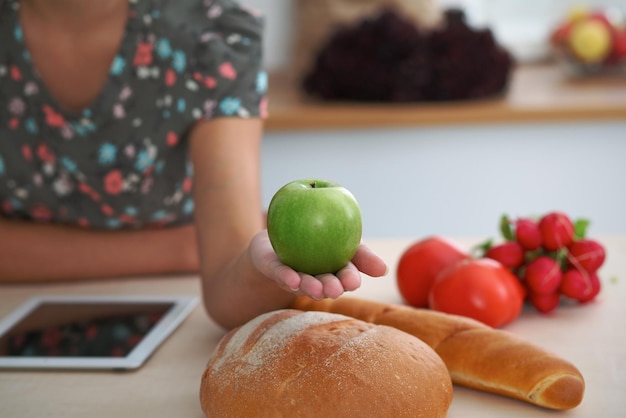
(476,355)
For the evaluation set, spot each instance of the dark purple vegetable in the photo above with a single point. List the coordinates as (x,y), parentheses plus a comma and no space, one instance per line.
(387,58)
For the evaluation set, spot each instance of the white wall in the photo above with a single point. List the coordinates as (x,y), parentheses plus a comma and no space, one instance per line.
(278,30)
(457,181)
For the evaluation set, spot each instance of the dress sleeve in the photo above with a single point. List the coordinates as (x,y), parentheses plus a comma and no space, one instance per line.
(228,62)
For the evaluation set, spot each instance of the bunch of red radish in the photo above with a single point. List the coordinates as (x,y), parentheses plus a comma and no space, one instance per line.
(551,257)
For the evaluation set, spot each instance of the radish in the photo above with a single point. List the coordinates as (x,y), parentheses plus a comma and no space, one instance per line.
(551,257)
(510,254)
(557,231)
(580,285)
(543,275)
(545,303)
(587,254)
(527,233)
(595,289)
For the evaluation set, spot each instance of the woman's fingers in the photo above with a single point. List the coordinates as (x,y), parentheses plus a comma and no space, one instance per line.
(349,277)
(322,286)
(368,262)
(311,286)
(332,287)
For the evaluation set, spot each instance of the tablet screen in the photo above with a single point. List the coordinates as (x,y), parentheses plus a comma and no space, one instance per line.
(82,330)
(116,332)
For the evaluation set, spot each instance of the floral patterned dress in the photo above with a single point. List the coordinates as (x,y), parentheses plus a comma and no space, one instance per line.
(123,162)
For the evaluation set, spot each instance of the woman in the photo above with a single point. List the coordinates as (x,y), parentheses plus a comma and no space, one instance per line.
(129,144)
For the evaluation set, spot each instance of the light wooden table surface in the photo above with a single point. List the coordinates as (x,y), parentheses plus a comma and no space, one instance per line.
(593,337)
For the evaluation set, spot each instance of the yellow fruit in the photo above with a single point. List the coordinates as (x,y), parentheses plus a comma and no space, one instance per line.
(590,41)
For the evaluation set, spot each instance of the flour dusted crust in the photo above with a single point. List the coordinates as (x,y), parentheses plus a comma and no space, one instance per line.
(477,356)
(291,363)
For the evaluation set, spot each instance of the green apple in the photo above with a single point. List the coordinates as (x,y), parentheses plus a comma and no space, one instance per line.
(314,225)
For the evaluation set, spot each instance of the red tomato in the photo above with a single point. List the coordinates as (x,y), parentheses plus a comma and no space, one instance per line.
(482,289)
(420,264)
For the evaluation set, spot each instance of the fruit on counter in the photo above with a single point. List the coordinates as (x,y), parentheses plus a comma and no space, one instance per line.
(420,264)
(482,289)
(619,46)
(566,262)
(590,37)
(314,225)
(590,41)
(560,34)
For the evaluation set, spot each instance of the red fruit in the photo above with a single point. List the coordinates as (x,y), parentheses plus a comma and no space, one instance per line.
(574,284)
(557,231)
(602,18)
(510,254)
(587,254)
(545,303)
(420,264)
(595,289)
(528,234)
(561,34)
(543,276)
(482,289)
(619,45)
(580,286)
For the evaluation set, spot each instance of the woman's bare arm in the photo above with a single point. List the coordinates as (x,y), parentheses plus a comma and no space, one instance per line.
(225,155)
(45,252)
(241,274)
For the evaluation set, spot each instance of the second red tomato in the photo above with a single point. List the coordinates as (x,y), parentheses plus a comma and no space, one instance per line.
(482,289)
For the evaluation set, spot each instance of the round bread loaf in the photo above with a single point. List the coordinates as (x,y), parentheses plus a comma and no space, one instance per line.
(290,363)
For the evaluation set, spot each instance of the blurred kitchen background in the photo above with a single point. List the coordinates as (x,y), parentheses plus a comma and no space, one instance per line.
(550,141)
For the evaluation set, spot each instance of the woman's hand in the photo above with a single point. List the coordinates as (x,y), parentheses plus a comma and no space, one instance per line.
(317,287)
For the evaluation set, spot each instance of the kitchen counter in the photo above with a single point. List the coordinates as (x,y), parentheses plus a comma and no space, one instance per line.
(537,93)
(589,336)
